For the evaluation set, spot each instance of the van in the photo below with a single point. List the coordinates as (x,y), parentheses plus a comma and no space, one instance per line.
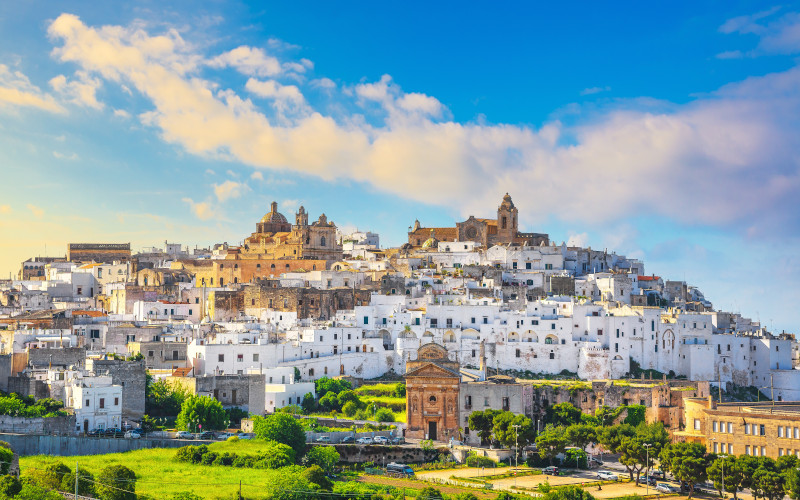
(399,470)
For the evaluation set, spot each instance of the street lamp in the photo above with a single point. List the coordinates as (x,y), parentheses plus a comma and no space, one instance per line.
(647,465)
(516,452)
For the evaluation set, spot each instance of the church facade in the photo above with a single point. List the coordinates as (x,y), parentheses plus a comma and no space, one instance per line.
(432,391)
(504,229)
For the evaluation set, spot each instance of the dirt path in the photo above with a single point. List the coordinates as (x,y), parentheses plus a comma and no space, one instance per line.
(411,483)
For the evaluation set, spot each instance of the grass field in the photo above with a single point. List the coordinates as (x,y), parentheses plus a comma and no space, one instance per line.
(377,389)
(160,477)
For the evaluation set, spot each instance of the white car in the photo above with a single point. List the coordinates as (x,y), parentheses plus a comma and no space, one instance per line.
(607,476)
(132,435)
(184,435)
(666,488)
(323,439)
(381,440)
(364,440)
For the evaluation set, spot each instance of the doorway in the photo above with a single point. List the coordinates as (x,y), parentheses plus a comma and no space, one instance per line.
(432,431)
(85,426)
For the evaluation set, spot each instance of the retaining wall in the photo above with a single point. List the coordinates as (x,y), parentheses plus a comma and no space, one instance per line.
(66,446)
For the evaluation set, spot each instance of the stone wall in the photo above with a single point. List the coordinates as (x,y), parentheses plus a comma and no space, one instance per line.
(6,364)
(61,357)
(38,425)
(353,454)
(307,302)
(67,446)
(562,285)
(26,386)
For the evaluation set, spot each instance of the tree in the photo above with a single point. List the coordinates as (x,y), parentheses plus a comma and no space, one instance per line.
(85,483)
(510,436)
(687,462)
(324,456)
(350,408)
(384,415)
(581,435)
(400,390)
(563,414)
(792,483)
(633,452)
(202,412)
(346,396)
(768,484)
(282,428)
(51,476)
(6,456)
(734,474)
(316,475)
(568,493)
(329,402)
(163,399)
(309,403)
(551,442)
(9,485)
(635,416)
(275,456)
(116,482)
(325,385)
(430,493)
(482,422)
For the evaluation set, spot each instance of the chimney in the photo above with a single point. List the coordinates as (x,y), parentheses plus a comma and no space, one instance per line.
(483,360)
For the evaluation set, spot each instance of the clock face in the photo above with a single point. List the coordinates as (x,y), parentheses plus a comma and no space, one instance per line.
(471,232)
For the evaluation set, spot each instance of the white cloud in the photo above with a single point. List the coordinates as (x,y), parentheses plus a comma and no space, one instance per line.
(595,90)
(202,210)
(323,83)
(210,172)
(290,205)
(81,91)
(229,190)
(257,176)
(727,158)
(36,211)
(121,113)
(249,61)
(578,240)
(777,34)
(65,156)
(17,90)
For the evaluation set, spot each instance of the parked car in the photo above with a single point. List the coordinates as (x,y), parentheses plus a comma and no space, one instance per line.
(206,435)
(399,470)
(651,480)
(95,432)
(666,488)
(323,439)
(657,473)
(222,436)
(596,461)
(246,435)
(184,435)
(551,470)
(347,439)
(380,440)
(607,476)
(398,440)
(138,431)
(114,432)
(364,440)
(132,435)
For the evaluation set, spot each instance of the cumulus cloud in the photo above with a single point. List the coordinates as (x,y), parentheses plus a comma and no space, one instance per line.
(257,176)
(578,240)
(728,158)
(81,91)
(18,91)
(202,210)
(778,34)
(36,211)
(121,113)
(253,61)
(229,190)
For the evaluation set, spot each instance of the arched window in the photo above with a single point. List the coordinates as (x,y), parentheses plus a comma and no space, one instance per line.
(322,241)
(272,266)
(258,266)
(236,266)
(432,399)
(222,266)
(287,266)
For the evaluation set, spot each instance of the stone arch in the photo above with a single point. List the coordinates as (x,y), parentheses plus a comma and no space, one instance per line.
(668,340)
(551,339)
(449,336)
(386,336)
(513,337)
(529,336)
(617,358)
(427,334)
(471,334)
(407,334)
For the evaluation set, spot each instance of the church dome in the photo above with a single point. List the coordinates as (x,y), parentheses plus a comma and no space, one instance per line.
(273,216)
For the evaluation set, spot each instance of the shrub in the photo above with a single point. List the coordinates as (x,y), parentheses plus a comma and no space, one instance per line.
(191,454)
(326,457)
(350,408)
(244,461)
(202,410)
(283,429)
(9,485)
(225,459)
(384,415)
(116,482)
(85,483)
(185,495)
(233,439)
(479,461)
(430,493)
(208,458)
(50,478)
(316,475)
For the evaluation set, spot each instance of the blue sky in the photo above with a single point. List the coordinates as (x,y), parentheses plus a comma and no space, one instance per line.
(666,133)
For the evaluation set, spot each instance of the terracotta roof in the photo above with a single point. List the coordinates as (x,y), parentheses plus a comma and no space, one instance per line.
(491,222)
(182,372)
(91,314)
(649,278)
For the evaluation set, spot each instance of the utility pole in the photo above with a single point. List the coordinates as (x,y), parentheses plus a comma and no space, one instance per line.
(516,452)
(76,480)
(647,465)
(240,489)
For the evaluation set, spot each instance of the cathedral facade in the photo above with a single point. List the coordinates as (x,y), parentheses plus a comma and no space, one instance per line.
(502,230)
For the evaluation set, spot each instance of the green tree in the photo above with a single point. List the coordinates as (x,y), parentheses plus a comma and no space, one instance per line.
(611,437)
(792,483)
(350,408)
(634,452)
(85,483)
(316,475)
(384,415)
(309,403)
(734,474)
(202,412)
(282,428)
(51,476)
(562,414)
(163,399)
(346,396)
(275,456)
(510,436)
(116,482)
(400,390)
(581,435)
(551,442)
(606,415)
(570,492)
(9,485)
(6,456)
(324,456)
(325,385)
(430,493)
(768,483)
(482,423)
(688,462)
(329,402)
(636,415)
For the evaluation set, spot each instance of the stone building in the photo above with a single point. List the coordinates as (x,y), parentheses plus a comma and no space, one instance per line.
(131,376)
(767,429)
(99,252)
(161,355)
(241,391)
(432,394)
(307,302)
(504,229)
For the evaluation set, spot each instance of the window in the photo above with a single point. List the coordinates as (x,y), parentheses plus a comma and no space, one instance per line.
(553,326)
(473,353)
(449,322)
(485,401)
(116,401)
(552,355)
(714,426)
(468,402)
(780,431)
(746,429)
(528,265)
(616,347)
(102,402)
(87,403)
(485,320)
(762,430)
(747,450)
(548,266)
(149,354)
(434,322)
(517,352)
(310,372)
(221,358)
(366,320)
(240,357)
(505,404)
(432,399)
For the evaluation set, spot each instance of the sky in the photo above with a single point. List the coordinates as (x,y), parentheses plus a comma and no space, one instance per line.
(666,133)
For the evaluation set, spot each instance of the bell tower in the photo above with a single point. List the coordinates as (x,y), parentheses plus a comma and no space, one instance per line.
(301,218)
(506,220)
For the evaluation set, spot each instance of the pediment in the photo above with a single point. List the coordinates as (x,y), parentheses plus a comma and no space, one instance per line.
(432,370)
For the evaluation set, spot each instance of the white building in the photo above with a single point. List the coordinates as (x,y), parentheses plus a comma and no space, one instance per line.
(96,401)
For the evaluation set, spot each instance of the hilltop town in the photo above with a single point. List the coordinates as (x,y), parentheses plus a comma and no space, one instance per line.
(471,317)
